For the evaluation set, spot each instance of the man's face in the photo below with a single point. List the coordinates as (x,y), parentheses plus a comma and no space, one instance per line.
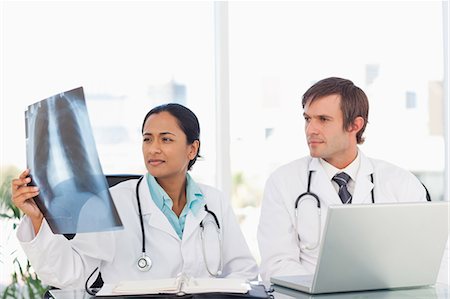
(325,134)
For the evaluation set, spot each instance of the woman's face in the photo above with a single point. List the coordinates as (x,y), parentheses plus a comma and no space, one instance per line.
(164,147)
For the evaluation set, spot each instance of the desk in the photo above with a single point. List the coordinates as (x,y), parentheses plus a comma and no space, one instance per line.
(440,291)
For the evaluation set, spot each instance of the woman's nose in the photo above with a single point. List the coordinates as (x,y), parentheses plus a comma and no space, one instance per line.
(155,147)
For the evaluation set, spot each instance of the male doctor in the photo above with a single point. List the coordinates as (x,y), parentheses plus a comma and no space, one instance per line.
(337,172)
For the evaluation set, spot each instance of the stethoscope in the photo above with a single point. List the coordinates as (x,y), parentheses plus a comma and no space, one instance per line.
(314,196)
(144,263)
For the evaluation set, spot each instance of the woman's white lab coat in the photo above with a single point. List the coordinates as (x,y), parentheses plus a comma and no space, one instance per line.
(62,263)
(277,236)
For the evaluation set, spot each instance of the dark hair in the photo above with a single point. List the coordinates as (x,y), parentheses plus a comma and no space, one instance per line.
(354,101)
(187,121)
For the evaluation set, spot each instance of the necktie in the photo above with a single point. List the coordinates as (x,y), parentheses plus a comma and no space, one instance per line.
(342,179)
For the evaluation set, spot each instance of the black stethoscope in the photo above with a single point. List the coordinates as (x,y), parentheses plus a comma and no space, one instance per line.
(301,198)
(144,263)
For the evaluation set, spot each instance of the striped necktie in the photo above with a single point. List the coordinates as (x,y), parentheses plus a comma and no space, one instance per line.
(342,179)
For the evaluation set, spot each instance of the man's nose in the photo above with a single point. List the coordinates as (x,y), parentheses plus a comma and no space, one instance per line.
(311,127)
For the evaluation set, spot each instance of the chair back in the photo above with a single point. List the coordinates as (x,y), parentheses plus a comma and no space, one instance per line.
(114,179)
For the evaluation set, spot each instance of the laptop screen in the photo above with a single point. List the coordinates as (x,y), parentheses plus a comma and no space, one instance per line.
(381,246)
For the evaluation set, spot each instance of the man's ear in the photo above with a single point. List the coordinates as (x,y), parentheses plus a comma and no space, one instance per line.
(357,125)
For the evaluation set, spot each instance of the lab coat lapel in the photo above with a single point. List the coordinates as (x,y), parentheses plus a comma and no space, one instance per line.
(321,184)
(193,222)
(363,184)
(151,213)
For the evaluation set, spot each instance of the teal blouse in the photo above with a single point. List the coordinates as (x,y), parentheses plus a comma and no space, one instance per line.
(194,198)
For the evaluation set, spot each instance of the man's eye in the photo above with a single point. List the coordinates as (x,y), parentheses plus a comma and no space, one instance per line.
(146,139)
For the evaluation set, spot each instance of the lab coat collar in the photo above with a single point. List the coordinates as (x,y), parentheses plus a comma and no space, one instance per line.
(363,184)
(147,203)
(320,183)
(151,213)
(193,222)
(315,165)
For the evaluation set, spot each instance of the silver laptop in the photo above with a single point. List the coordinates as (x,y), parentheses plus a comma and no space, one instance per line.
(380,246)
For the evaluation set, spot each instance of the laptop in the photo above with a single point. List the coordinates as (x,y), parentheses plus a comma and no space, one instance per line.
(379,246)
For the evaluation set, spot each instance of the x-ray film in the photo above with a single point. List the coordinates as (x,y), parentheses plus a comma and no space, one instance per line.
(61,154)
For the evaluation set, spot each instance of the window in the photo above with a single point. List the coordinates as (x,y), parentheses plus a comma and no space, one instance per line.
(411,100)
(128,56)
(278,49)
(131,56)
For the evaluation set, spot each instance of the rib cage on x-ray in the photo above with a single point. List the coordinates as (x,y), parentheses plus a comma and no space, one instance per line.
(61,154)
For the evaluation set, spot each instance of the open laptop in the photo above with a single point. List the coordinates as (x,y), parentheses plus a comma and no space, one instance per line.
(380,246)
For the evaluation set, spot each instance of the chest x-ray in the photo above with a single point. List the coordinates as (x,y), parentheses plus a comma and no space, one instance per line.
(61,154)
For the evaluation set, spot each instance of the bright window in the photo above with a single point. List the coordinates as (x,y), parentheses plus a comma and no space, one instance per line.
(132,55)
(128,56)
(392,50)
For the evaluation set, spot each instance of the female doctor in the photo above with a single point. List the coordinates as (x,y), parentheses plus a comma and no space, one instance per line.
(187,227)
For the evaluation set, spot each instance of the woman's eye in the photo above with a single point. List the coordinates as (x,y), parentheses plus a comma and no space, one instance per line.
(166,139)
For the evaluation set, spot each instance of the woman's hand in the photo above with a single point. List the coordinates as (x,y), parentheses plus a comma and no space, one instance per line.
(22,197)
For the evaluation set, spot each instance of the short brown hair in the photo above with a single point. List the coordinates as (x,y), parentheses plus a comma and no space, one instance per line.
(354,101)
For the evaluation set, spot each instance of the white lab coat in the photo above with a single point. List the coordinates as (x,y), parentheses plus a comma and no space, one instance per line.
(277,236)
(67,264)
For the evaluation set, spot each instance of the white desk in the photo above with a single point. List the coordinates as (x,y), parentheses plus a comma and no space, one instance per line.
(440,291)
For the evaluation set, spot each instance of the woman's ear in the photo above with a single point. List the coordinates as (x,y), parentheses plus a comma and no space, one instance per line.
(193,149)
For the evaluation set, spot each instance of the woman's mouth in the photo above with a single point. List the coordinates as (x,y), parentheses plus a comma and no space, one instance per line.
(155,162)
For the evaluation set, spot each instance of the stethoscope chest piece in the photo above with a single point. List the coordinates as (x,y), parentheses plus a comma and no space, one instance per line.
(144,263)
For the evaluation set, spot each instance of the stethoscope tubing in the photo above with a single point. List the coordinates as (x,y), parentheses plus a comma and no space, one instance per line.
(219,237)
(141,219)
(146,260)
(301,198)
(308,192)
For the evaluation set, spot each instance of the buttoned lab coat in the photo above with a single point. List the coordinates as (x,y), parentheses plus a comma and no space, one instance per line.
(63,263)
(277,236)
